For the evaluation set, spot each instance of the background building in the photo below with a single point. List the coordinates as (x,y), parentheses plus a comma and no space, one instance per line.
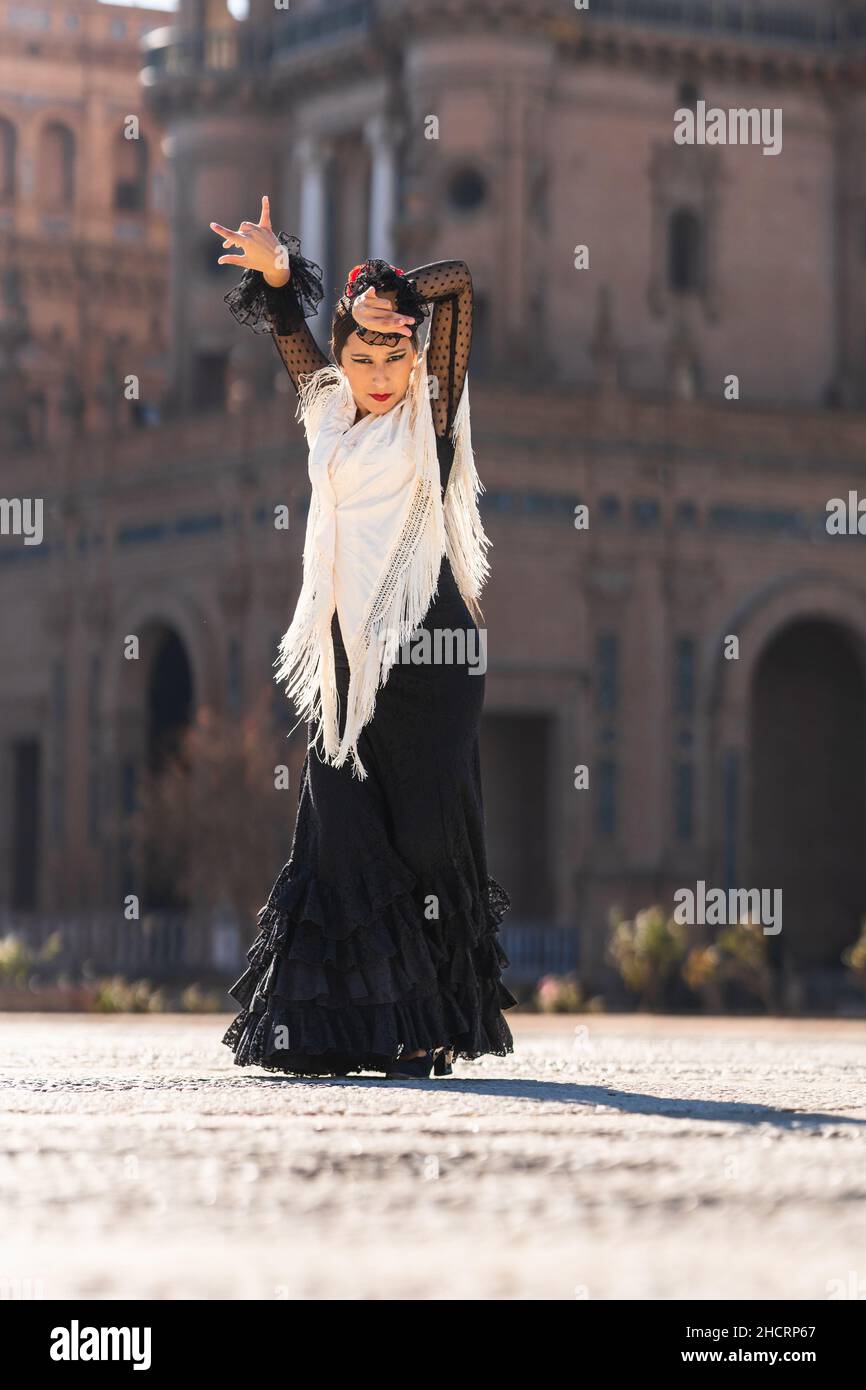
(510,134)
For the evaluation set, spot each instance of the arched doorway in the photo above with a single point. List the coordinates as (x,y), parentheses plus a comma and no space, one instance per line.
(169,710)
(156,703)
(807,803)
(169,697)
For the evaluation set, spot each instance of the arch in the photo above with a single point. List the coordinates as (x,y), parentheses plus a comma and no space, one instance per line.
(169,703)
(763,613)
(161,607)
(732,741)
(806,787)
(156,709)
(144,706)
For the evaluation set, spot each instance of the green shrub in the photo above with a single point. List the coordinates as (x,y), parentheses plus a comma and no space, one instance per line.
(647,952)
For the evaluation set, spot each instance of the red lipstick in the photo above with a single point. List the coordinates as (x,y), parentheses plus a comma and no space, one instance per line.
(387,396)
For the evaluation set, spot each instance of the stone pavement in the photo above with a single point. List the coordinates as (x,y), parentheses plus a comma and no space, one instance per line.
(610,1157)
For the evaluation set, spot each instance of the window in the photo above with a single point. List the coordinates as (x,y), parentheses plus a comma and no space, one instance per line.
(684,675)
(128,788)
(686,199)
(130,179)
(23,17)
(607,668)
(684,252)
(467,189)
(234,691)
(209,381)
(26,777)
(8,143)
(684,789)
(605,805)
(57,166)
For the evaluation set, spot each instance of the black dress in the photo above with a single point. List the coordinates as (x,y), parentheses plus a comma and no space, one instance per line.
(381,931)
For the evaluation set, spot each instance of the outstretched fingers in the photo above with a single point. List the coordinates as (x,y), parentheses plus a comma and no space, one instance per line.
(230,238)
(233,238)
(244,233)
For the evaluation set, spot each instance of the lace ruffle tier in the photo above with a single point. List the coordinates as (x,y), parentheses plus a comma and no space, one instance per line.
(333,987)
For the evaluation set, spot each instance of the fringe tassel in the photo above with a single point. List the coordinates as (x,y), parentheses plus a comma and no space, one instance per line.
(315,392)
(410,575)
(466,539)
(409,580)
(306,651)
(398,608)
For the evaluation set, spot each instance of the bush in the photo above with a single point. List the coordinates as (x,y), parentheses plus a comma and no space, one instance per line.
(854,957)
(115,995)
(559,994)
(737,960)
(18,961)
(647,952)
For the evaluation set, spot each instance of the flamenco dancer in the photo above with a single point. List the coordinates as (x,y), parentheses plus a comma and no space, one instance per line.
(378,946)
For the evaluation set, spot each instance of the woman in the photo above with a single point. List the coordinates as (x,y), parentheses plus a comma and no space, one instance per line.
(378,946)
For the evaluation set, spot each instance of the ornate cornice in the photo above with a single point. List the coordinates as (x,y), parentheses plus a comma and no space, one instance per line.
(268,65)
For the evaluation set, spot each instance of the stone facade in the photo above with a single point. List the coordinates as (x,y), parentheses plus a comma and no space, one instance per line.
(622,282)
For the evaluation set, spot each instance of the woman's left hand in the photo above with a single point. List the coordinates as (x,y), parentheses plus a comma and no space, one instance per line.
(375,311)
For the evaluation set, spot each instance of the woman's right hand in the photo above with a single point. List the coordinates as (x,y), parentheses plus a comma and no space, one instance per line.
(262,249)
(378,312)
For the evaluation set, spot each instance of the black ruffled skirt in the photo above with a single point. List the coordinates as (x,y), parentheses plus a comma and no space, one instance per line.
(381,932)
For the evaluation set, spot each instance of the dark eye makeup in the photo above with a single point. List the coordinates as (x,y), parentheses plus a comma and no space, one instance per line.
(392,357)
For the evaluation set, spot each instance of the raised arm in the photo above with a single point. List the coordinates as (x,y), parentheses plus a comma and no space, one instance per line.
(447,285)
(282,311)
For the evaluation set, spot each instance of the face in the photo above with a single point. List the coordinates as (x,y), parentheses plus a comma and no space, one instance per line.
(378,376)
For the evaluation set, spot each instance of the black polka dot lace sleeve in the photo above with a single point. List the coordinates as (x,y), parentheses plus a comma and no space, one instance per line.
(447,285)
(282,311)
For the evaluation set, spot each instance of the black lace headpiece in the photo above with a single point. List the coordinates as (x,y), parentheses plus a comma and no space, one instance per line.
(387,279)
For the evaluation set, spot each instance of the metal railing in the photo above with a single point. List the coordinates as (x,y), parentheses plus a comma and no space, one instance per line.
(171,53)
(817,26)
(166,944)
(535,950)
(177,945)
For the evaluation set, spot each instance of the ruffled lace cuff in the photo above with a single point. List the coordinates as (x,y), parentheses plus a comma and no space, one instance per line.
(267,309)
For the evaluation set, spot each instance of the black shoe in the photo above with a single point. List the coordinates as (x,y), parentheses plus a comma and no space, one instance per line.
(437,1060)
(442,1062)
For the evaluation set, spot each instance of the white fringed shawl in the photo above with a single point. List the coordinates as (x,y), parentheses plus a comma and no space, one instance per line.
(395,512)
